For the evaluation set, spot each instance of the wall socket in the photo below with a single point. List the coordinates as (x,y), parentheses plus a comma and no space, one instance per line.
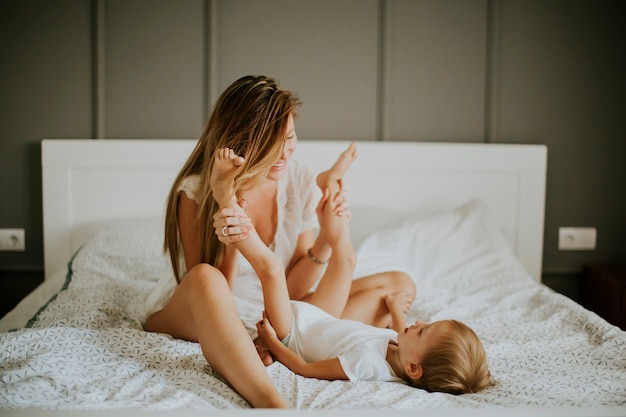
(12,240)
(577,238)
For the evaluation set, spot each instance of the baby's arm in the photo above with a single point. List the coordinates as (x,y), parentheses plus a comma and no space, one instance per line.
(329,369)
(266,263)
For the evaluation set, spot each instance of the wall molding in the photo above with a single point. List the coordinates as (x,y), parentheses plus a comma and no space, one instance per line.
(491,70)
(98,21)
(382,102)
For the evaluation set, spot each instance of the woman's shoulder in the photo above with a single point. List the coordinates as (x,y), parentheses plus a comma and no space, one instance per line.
(190,185)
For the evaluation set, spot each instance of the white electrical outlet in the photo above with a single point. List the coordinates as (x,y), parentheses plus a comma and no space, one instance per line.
(12,240)
(577,238)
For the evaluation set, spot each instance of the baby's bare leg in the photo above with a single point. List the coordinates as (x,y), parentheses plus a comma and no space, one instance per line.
(339,168)
(333,289)
(334,286)
(265,262)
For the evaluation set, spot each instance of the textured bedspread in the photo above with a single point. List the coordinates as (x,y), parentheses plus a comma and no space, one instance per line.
(86,349)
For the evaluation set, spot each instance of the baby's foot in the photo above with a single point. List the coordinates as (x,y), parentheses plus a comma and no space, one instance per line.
(225,168)
(399,302)
(338,170)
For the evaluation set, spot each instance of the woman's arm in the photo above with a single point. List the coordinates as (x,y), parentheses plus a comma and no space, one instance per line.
(190,238)
(329,369)
(189,230)
(302,272)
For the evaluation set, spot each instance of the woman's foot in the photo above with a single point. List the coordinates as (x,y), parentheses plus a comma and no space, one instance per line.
(225,168)
(339,168)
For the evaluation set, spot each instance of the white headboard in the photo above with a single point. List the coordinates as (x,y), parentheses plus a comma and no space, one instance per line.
(90,182)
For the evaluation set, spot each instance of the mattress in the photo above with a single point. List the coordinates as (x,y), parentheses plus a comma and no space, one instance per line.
(85,349)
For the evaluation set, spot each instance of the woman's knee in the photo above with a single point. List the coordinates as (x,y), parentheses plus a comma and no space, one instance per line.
(205,279)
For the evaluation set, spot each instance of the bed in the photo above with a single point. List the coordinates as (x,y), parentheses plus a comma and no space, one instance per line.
(464,220)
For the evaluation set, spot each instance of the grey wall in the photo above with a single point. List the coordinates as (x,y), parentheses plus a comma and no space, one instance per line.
(534,71)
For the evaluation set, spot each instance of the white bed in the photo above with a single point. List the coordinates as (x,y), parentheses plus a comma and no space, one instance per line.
(465,220)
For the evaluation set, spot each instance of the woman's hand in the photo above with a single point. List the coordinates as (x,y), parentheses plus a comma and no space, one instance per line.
(340,203)
(232,224)
(343,206)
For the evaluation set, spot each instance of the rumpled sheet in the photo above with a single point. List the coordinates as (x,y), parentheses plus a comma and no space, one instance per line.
(85,349)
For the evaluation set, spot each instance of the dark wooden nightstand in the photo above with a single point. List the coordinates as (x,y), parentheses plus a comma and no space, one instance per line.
(604,292)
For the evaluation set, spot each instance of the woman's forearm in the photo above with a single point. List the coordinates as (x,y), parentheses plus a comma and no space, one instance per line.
(304,271)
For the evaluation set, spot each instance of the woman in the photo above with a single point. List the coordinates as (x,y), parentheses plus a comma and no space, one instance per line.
(254,118)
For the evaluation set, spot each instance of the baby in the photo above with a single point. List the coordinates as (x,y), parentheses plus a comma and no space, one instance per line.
(310,339)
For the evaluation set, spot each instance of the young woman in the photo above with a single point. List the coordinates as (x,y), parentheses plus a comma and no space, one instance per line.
(218,289)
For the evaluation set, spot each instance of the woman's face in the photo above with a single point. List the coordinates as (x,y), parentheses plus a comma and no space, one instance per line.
(279,169)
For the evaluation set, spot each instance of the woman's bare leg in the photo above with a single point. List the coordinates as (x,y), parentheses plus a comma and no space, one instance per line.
(202,309)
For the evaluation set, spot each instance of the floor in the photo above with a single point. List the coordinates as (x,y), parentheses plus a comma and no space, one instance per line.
(16,285)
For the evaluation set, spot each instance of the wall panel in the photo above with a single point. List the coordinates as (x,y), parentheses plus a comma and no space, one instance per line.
(435,70)
(326,50)
(561,82)
(45,91)
(552,73)
(154,73)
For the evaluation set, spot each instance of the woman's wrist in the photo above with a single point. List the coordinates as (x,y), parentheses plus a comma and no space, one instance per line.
(319,253)
(314,258)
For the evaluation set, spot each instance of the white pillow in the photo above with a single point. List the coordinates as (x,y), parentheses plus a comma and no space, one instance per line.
(428,248)
(368,219)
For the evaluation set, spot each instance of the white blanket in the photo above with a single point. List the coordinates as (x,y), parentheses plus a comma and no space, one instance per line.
(85,349)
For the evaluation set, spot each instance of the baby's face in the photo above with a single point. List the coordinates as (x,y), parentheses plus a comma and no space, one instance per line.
(418,339)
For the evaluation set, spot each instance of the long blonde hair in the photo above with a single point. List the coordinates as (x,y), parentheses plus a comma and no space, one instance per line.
(457,365)
(250,117)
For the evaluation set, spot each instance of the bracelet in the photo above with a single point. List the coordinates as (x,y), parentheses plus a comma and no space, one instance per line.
(314,258)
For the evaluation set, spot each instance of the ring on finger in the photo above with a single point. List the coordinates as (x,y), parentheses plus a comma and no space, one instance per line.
(224,231)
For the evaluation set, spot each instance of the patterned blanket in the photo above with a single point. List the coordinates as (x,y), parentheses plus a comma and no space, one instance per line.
(85,349)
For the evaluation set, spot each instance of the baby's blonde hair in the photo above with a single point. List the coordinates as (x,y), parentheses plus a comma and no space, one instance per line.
(250,117)
(457,365)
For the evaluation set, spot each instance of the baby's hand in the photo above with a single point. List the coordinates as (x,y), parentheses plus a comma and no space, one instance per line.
(267,334)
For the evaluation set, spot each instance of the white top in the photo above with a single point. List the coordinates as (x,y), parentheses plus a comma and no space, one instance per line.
(297,199)
(361,348)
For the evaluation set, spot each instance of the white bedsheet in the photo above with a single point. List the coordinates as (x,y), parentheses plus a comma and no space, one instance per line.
(86,350)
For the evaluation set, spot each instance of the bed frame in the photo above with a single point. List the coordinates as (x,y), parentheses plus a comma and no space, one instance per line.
(90,182)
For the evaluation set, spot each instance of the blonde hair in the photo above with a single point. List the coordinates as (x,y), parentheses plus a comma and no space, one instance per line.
(250,117)
(457,365)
